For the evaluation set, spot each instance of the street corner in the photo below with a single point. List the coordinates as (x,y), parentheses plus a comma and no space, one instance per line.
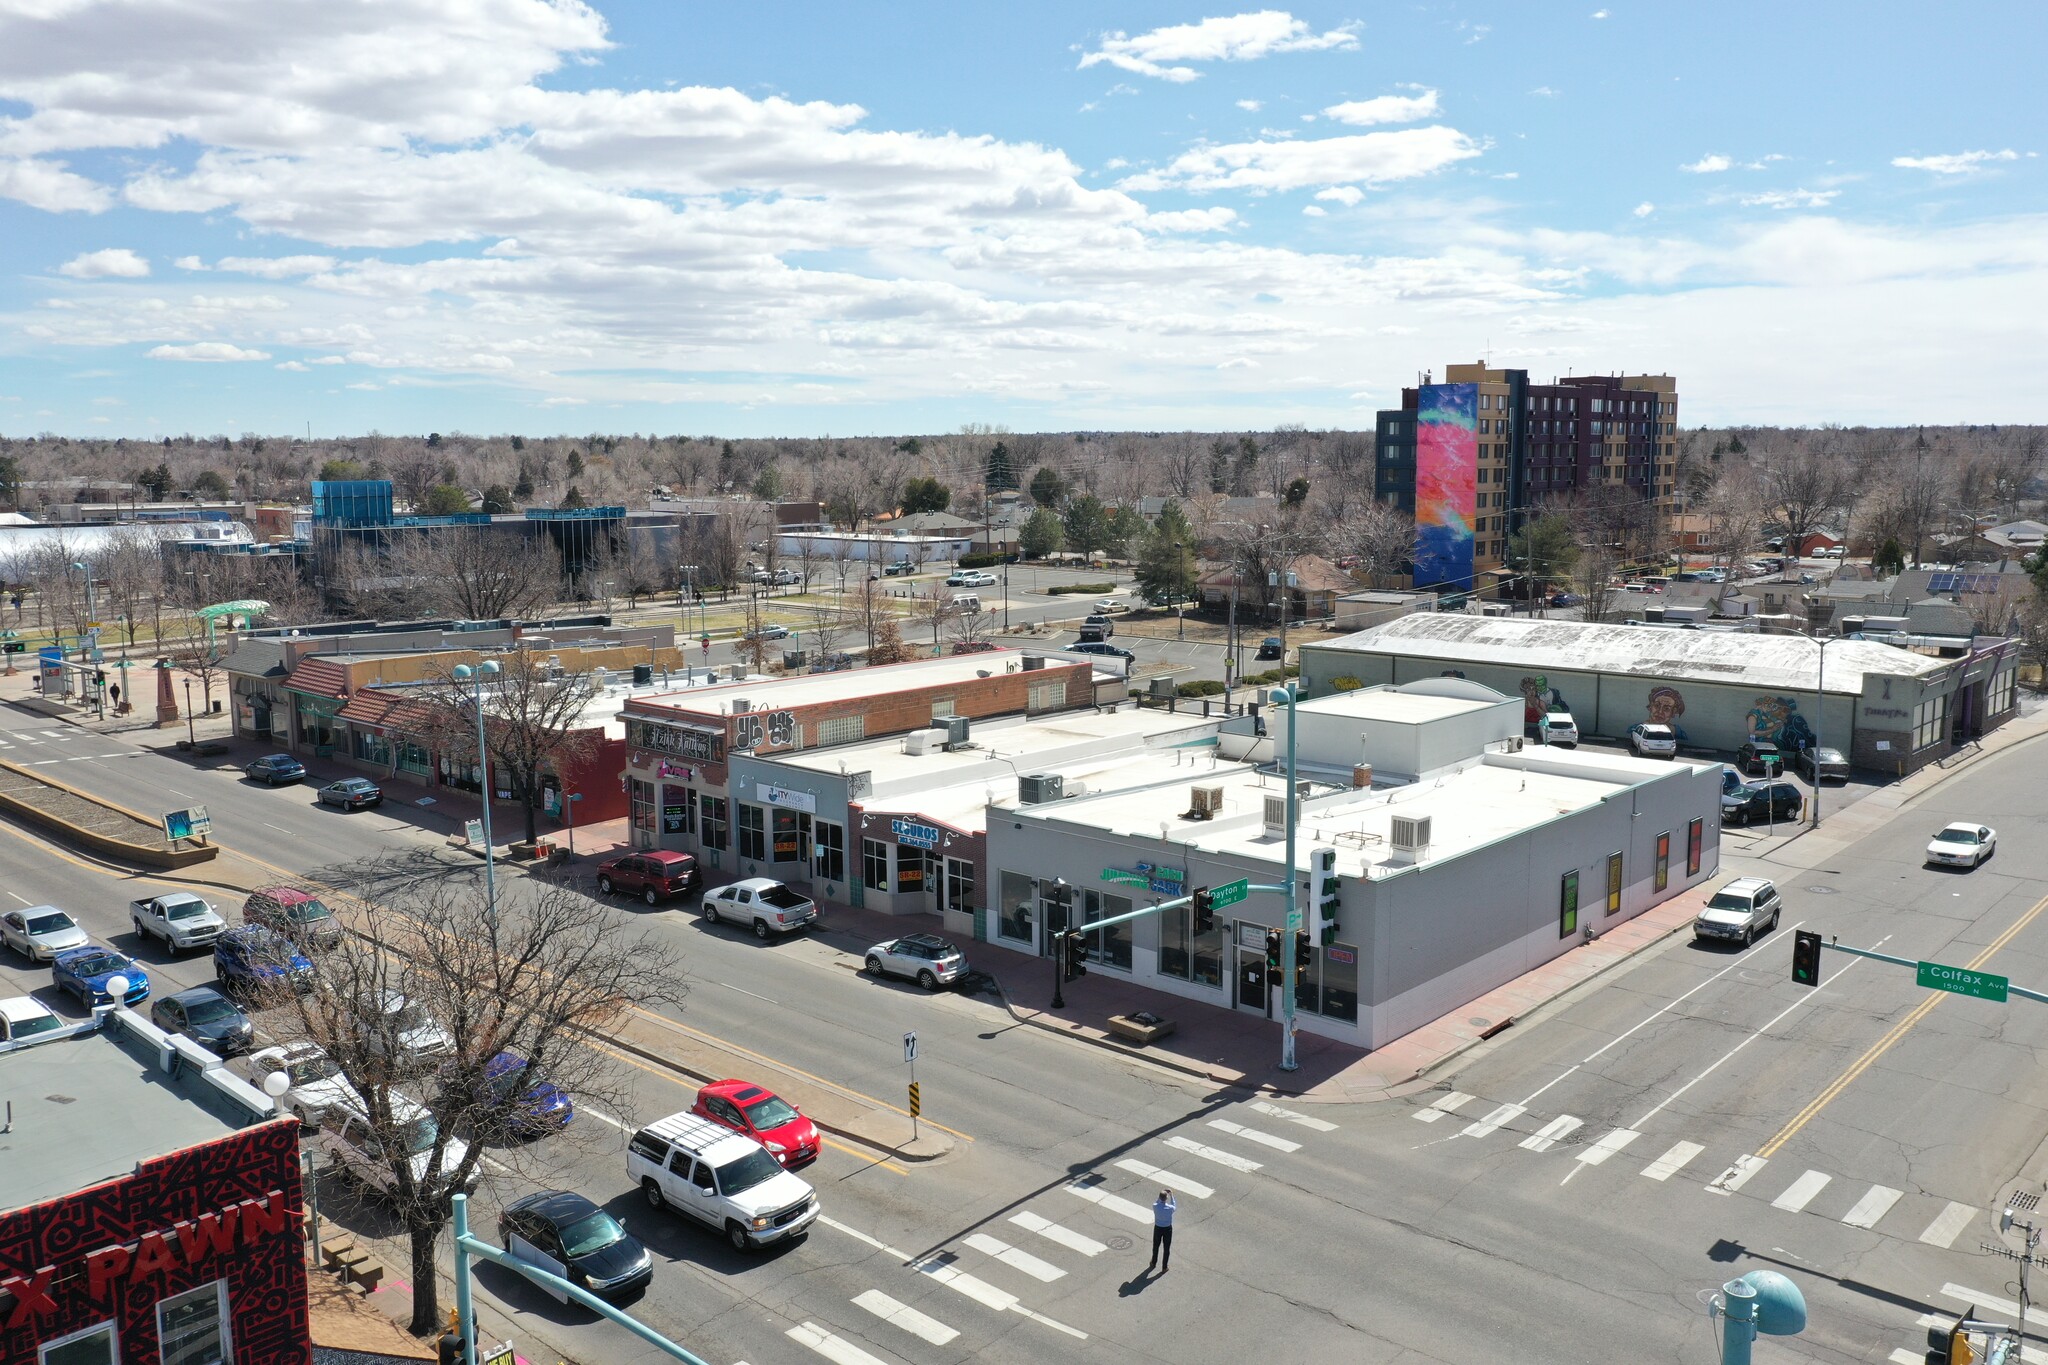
(894,1135)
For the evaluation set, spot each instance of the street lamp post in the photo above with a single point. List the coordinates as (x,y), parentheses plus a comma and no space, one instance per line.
(475,676)
(1059,957)
(1286,696)
(1820,703)
(191,735)
(84,649)
(1180,578)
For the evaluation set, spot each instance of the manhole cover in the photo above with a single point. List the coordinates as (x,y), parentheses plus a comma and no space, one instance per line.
(1119,1242)
(1822,890)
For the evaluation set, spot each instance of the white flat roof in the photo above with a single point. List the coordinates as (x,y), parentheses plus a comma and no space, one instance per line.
(1396,707)
(1010,740)
(1745,660)
(965,805)
(814,688)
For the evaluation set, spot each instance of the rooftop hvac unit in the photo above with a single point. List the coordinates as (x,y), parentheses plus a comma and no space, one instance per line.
(740,706)
(1410,837)
(956,728)
(1205,803)
(1033,661)
(1035,789)
(917,741)
(1514,744)
(1276,817)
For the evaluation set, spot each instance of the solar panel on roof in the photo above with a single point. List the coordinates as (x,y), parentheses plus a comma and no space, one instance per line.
(1942,582)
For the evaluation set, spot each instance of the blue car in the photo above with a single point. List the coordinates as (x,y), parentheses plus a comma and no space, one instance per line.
(525,1109)
(272,769)
(257,960)
(85,972)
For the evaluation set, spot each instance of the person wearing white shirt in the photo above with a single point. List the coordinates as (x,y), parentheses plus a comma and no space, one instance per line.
(1162,1231)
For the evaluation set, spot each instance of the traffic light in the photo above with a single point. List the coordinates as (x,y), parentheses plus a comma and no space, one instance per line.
(1322,864)
(1304,949)
(1806,957)
(1274,975)
(1205,911)
(1077,954)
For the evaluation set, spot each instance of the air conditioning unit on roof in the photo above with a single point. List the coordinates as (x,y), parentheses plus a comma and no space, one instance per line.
(1410,838)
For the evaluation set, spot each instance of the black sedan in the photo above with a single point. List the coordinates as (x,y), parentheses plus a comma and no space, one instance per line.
(1819,763)
(568,1235)
(275,769)
(1272,648)
(351,793)
(207,1017)
(1760,756)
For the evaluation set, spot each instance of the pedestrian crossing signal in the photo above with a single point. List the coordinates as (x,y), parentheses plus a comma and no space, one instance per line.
(1806,957)
(916,1104)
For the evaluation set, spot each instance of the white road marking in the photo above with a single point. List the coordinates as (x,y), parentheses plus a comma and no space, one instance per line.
(23,899)
(1137,1213)
(908,1318)
(602,1117)
(831,1347)
(729,986)
(1166,1178)
(981,1291)
(1215,1154)
(1607,1146)
(1902,1356)
(1736,1176)
(1274,1110)
(45,762)
(1977,1298)
(1547,1137)
(1506,1113)
(1949,1222)
(279,828)
(1447,1104)
(1801,1191)
(1673,1161)
(1043,1271)
(1278,1144)
(1053,1232)
(1872,1206)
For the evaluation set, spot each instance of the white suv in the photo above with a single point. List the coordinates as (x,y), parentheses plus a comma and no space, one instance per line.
(721,1179)
(1741,910)
(762,903)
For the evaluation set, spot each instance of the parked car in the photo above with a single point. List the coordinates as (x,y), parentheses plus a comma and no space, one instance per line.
(767,632)
(207,1017)
(274,770)
(763,1116)
(519,1106)
(1098,621)
(1741,910)
(1103,648)
(927,959)
(351,793)
(1109,604)
(1565,599)
(762,903)
(725,1181)
(1092,634)
(86,973)
(1652,741)
(402,1031)
(315,1078)
(970,578)
(298,915)
(1558,727)
(255,961)
(901,566)
(654,875)
(1962,845)
(1272,647)
(1818,763)
(567,1235)
(786,578)
(1760,756)
(363,1151)
(41,932)
(23,1017)
(177,919)
(1763,801)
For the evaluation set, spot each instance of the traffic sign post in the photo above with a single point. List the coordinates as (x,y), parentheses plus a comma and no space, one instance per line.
(910,1059)
(1933,976)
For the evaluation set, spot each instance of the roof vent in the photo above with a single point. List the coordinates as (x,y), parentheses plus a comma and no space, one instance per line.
(917,741)
(1410,838)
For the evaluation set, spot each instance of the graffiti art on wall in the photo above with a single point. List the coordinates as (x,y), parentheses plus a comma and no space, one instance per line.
(1539,698)
(1667,704)
(1777,719)
(1446,484)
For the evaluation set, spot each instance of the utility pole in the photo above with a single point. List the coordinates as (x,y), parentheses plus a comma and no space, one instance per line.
(1285,696)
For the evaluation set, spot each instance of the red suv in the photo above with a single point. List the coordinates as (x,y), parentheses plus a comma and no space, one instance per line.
(654,876)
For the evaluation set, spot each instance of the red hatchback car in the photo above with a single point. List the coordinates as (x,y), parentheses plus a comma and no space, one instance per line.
(770,1120)
(654,876)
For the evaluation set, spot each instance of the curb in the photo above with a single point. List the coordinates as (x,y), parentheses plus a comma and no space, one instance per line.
(1124,1050)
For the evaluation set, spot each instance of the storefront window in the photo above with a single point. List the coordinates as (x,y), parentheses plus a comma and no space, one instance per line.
(959,884)
(828,855)
(1664,860)
(716,824)
(1173,942)
(316,719)
(1568,905)
(1208,955)
(678,811)
(785,842)
(193,1326)
(1614,883)
(413,759)
(1111,947)
(874,864)
(753,832)
(1928,722)
(911,864)
(372,748)
(641,802)
(96,1345)
(1693,834)
(1013,917)
(1340,983)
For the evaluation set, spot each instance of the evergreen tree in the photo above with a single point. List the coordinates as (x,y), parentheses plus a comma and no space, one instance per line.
(1042,535)
(574,499)
(1087,524)
(498,499)
(1166,558)
(925,495)
(1048,489)
(1890,559)
(999,476)
(575,464)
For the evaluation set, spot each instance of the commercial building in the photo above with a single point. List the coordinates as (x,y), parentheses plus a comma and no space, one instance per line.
(151,1207)
(1471,455)
(1891,710)
(881,545)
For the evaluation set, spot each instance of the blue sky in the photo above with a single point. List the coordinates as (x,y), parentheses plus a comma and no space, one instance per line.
(515,215)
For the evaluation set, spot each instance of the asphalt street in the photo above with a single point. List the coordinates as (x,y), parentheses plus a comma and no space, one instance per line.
(1563,1195)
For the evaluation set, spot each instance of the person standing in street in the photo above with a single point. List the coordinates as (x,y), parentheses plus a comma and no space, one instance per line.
(1162,1231)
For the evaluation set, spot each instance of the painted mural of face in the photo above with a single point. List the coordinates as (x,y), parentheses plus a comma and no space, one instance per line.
(1666,705)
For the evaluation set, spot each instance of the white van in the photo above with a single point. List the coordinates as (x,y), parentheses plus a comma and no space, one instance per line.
(720,1178)
(967,603)
(353,1143)
(1558,727)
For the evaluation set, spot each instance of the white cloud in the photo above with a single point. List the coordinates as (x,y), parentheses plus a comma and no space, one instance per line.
(1115,163)
(1190,220)
(1385,109)
(1474,33)
(1239,363)
(1599,14)
(1545,91)
(205,351)
(294,366)
(1369,158)
(1791,199)
(1314,211)
(116,262)
(327,360)
(46,185)
(1251,106)
(1712,163)
(1954,163)
(275,267)
(1645,209)
(1239,38)
(563,402)
(1346,195)
(189,263)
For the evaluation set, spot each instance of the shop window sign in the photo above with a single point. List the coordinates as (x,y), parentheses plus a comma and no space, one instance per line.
(914,833)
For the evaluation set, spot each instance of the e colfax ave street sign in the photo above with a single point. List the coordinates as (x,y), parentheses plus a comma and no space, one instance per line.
(1962,981)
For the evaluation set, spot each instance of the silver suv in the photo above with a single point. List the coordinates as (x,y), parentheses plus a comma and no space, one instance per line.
(925,958)
(1741,910)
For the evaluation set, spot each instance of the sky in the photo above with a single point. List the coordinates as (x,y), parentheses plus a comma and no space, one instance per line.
(668,216)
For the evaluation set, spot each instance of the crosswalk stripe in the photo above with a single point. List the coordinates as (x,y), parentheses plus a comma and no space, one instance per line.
(1137,1213)
(1446,1104)
(1547,1136)
(1736,1176)
(1506,1113)
(1275,1111)
(1608,1145)
(1673,1161)
(1215,1154)
(1166,1178)
(942,1269)
(1950,1221)
(906,1317)
(1278,1144)
(1902,1356)
(1872,1206)
(1053,1232)
(1043,1271)
(1977,1298)
(831,1347)
(1801,1191)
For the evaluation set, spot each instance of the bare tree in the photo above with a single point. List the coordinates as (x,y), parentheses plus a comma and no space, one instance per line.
(130,574)
(754,639)
(533,723)
(827,628)
(477,573)
(1594,577)
(971,627)
(934,609)
(538,976)
(1382,536)
(1802,488)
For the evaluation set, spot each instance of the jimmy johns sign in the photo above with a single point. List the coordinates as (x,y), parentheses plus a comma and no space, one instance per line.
(686,742)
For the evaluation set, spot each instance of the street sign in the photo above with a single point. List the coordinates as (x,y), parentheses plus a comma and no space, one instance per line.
(1230,893)
(473,832)
(187,824)
(1122,878)
(910,1046)
(916,1101)
(496,1355)
(1962,981)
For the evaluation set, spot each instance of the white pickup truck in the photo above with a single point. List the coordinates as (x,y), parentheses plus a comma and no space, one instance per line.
(179,918)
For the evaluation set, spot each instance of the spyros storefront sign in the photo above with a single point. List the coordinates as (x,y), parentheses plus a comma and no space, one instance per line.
(688,742)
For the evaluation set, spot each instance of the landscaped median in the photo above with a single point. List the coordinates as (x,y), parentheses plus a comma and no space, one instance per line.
(99,827)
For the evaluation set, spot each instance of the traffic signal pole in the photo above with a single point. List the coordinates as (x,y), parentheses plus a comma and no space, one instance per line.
(1285,696)
(1956,980)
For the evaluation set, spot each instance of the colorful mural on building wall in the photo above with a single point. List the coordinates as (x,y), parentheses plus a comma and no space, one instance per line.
(1667,704)
(1446,484)
(1777,719)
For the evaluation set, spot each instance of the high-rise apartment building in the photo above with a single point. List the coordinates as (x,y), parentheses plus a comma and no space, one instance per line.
(1474,455)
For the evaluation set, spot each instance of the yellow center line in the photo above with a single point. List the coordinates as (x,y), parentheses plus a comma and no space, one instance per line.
(1891,1038)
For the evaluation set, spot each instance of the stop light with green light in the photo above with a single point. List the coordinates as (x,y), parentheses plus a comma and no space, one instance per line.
(1806,957)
